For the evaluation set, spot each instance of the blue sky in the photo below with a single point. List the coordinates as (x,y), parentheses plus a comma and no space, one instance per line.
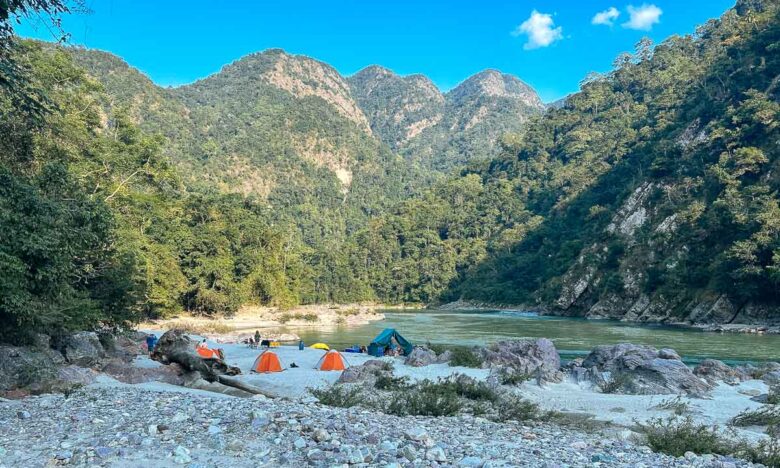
(177,42)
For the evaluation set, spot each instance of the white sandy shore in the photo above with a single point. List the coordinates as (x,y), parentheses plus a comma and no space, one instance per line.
(724,403)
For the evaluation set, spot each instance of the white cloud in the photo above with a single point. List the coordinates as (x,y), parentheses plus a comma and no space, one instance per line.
(643,17)
(540,29)
(606,17)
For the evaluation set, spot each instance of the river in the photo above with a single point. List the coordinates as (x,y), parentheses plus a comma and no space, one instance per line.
(573,337)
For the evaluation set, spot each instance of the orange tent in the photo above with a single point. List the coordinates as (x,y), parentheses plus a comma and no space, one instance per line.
(267,361)
(332,361)
(207,353)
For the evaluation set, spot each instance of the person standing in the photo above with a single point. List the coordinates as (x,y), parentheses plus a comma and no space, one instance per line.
(151,342)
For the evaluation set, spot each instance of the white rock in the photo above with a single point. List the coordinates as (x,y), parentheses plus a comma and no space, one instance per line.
(436,453)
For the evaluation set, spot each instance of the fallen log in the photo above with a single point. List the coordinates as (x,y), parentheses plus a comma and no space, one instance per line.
(174,346)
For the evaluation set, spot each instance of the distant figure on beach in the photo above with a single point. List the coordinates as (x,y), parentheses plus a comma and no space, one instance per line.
(151,342)
(257,336)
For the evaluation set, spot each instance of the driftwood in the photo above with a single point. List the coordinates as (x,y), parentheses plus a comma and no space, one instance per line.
(174,346)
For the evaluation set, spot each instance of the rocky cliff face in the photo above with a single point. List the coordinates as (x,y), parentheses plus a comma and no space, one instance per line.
(595,287)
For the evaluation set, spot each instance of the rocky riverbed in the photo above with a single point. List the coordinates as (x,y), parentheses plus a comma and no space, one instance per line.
(132,427)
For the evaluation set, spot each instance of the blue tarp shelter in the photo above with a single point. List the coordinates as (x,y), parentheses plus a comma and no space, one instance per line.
(384,339)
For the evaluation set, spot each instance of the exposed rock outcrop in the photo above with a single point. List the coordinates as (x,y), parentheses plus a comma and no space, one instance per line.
(636,369)
(421,356)
(83,349)
(535,358)
(366,373)
(714,371)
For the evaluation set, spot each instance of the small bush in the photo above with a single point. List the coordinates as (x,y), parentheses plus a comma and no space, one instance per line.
(339,396)
(616,383)
(760,417)
(514,408)
(425,399)
(675,436)
(465,357)
(513,377)
(773,398)
(436,348)
(471,389)
(766,452)
(675,405)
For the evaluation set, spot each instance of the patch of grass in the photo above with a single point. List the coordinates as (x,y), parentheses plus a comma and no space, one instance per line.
(675,436)
(198,327)
(308,317)
(769,416)
(617,383)
(339,396)
(348,312)
(465,357)
(676,405)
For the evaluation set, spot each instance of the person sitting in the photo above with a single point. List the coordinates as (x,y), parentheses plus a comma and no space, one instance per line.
(363,349)
(251,343)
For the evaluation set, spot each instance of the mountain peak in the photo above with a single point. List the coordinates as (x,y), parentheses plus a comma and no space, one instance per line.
(492,82)
(299,75)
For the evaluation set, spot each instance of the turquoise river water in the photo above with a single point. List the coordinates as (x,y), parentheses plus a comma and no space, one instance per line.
(571,336)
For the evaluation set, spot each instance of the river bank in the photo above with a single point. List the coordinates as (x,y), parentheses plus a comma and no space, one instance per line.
(269,320)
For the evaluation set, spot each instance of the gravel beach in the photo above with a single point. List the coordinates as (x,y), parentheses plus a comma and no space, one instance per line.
(132,427)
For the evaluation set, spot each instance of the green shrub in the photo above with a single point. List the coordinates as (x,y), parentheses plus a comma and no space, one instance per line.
(339,396)
(465,357)
(767,451)
(391,383)
(760,417)
(514,408)
(675,436)
(773,398)
(513,377)
(675,405)
(469,388)
(425,399)
(436,347)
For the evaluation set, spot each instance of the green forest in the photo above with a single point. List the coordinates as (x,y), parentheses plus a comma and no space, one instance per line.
(656,184)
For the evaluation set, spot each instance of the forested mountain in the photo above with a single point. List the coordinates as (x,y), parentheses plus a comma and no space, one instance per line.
(651,195)
(443,131)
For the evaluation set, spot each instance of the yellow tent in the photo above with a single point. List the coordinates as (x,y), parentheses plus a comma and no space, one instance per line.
(322,346)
